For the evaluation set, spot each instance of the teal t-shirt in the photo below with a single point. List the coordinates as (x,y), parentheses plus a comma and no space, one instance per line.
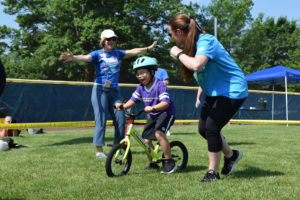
(221,76)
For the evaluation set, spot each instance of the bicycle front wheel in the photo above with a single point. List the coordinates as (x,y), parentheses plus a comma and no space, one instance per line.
(179,154)
(114,165)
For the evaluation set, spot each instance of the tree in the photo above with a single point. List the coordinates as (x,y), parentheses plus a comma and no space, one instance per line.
(269,43)
(49,27)
(233,17)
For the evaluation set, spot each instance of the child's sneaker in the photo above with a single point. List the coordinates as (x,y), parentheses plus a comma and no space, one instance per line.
(169,166)
(230,163)
(152,166)
(211,175)
(100,155)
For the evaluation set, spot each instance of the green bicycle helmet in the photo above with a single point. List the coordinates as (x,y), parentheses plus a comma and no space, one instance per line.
(145,62)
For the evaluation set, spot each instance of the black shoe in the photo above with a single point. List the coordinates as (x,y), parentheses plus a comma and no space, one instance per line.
(229,163)
(211,175)
(152,166)
(169,166)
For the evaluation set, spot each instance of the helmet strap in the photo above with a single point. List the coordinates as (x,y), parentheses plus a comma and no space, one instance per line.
(152,76)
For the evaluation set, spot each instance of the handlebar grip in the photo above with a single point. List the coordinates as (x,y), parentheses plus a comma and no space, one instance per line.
(121,107)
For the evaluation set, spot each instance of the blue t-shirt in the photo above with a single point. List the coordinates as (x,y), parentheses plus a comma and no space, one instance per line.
(153,96)
(221,76)
(107,65)
(161,74)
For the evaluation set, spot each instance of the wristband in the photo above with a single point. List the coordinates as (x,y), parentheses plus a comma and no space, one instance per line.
(153,110)
(179,54)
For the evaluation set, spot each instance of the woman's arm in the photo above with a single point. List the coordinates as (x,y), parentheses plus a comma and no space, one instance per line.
(136,51)
(192,63)
(68,57)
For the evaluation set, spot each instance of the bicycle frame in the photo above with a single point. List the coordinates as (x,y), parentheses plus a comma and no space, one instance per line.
(130,131)
(119,159)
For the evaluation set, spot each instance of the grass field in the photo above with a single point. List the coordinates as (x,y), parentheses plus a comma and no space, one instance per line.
(62,165)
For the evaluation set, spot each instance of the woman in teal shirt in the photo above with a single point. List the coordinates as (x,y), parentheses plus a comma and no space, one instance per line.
(221,80)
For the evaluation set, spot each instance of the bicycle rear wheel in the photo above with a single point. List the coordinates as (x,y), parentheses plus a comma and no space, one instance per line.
(179,154)
(114,165)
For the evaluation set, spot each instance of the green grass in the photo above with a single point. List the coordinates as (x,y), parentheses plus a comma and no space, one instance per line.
(62,165)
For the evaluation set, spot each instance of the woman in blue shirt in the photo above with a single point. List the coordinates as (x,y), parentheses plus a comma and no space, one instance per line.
(221,80)
(106,92)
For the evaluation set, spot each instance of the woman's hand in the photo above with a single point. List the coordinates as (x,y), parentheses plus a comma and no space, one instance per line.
(197,103)
(67,56)
(174,51)
(150,48)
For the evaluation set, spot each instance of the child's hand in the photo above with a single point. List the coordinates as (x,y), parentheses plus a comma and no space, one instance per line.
(119,106)
(148,109)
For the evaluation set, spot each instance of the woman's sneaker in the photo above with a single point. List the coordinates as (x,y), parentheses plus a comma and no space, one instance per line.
(100,155)
(229,163)
(169,166)
(152,166)
(211,175)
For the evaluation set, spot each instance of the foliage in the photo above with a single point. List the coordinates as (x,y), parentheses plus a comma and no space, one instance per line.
(233,16)
(61,165)
(49,27)
(269,43)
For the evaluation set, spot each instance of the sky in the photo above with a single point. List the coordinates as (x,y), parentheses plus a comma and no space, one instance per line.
(271,8)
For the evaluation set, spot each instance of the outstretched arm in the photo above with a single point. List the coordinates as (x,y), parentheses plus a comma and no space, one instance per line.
(68,57)
(136,51)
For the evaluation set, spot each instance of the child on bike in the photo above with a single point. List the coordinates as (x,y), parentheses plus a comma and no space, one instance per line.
(158,106)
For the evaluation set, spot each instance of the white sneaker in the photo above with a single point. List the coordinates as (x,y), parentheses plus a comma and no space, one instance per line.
(100,155)
(168,133)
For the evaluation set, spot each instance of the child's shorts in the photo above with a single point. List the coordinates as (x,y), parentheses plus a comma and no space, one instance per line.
(162,123)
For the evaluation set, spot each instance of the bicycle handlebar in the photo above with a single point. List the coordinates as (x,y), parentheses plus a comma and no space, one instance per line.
(131,115)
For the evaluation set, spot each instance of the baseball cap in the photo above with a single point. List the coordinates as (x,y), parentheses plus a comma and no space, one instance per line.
(108,34)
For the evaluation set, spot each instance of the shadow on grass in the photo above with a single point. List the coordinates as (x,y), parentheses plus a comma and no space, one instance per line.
(182,133)
(241,143)
(188,169)
(192,168)
(81,140)
(252,172)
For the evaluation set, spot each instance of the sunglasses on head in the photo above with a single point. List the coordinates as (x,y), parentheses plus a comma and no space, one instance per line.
(111,39)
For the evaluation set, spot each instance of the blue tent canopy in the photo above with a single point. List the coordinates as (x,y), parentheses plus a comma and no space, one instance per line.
(277,75)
